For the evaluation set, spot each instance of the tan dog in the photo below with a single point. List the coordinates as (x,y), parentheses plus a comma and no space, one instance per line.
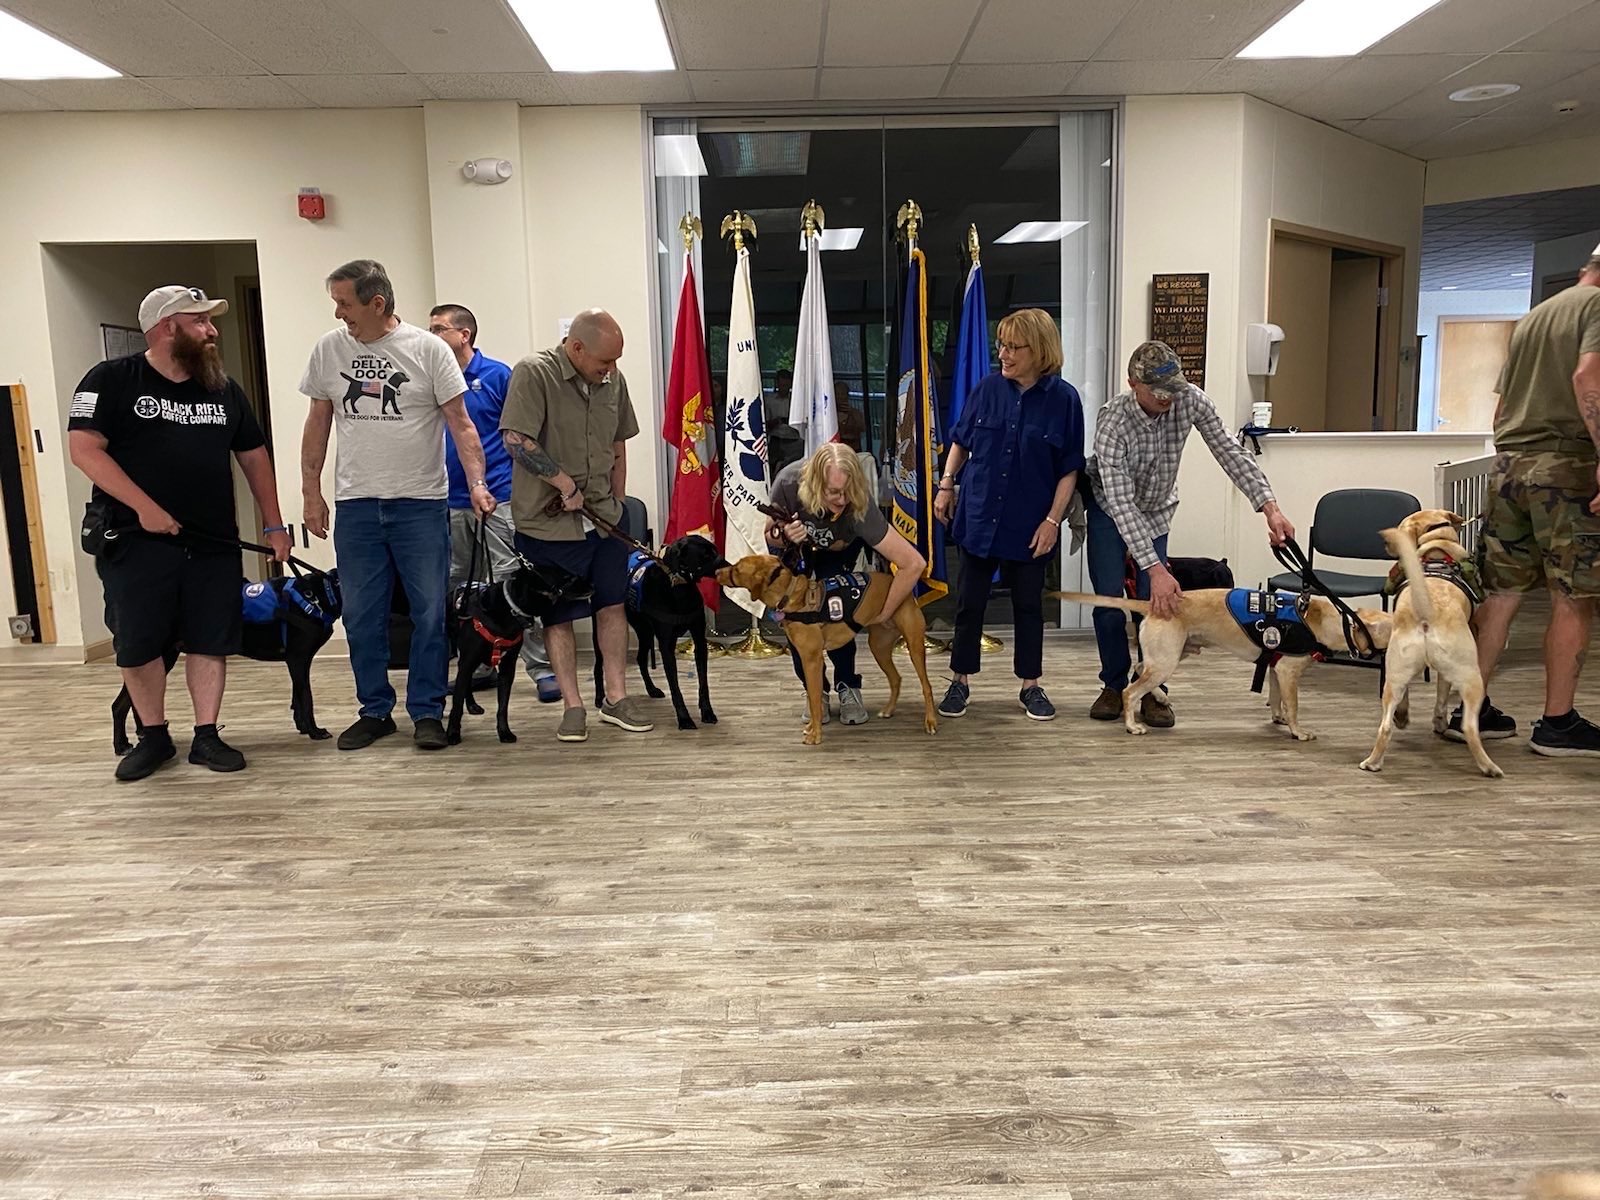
(1563,1186)
(1431,630)
(1204,620)
(769,581)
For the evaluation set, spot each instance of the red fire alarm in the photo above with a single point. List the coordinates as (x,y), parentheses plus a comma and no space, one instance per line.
(313,206)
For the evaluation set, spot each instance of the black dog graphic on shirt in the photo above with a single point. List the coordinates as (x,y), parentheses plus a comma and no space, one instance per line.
(365,388)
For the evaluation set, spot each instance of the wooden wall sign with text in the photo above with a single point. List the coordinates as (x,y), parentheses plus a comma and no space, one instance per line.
(1178,308)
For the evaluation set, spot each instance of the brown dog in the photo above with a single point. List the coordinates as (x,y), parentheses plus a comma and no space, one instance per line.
(1568,1186)
(1431,630)
(769,581)
(1204,620)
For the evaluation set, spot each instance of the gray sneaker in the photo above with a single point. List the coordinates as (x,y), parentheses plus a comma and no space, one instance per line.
(805,711)
(628,714)
(574,726)
(852,710)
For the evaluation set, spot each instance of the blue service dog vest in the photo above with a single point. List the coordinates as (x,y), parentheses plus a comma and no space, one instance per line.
(841,596)
(638,566)
(1272,621)
(263,603)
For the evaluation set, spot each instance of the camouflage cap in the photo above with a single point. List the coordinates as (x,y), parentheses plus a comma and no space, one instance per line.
(1156,365)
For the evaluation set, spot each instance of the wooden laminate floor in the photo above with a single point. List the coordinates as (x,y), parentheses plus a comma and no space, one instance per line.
(1015,960)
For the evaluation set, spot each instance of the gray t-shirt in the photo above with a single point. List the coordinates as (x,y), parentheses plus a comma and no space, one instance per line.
(826,531)
(386,396)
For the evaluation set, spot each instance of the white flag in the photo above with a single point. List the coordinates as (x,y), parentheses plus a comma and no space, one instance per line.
(744,436)
(811,406)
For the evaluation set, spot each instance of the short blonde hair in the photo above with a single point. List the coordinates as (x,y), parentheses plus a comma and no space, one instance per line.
(814,479)
(1034,329)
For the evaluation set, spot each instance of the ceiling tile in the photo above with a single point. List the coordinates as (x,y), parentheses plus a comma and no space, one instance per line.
(427,37)
(1583,87)
(136,37)
(1577,31)
(1403,134)
(1020,79)
(525,87)
(794,83)
(1138,78)
(1365,87)
(881,83)
(14,99)
(1189,28)
(896,32)
(1470,137)
(96,95)
(299,37)
(1043,30)
(624,87)
(1275,80)
(1534,72)
(241,91)
(360,91)
(724,35)
(1474,26)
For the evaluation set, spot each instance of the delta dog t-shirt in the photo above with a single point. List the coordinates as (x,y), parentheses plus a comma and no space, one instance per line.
(175,440)
(386,396)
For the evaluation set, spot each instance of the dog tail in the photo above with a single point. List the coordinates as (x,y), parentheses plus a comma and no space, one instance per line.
(1133,606)
(1403,548)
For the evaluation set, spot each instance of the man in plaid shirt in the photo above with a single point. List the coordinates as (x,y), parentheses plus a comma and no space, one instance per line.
(1133,478)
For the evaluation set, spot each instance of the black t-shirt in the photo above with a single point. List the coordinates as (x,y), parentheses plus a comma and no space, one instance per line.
(175,440)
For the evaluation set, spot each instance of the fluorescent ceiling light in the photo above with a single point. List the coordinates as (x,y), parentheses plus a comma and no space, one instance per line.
(597,35)
(29,53)
(1449,287)
(678,154)
(1334,28)
(1040,231)
(835,239)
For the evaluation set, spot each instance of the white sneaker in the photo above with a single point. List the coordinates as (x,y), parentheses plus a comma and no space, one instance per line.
(852,710)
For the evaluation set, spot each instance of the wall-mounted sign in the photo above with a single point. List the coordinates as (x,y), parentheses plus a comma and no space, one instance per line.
(1179,305)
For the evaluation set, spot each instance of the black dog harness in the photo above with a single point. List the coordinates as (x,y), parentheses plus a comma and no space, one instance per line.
(841,596)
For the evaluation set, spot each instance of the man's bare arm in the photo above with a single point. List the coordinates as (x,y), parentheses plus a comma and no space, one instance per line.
(1586,390)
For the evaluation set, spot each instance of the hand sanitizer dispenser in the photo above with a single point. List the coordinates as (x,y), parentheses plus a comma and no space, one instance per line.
(1261,346)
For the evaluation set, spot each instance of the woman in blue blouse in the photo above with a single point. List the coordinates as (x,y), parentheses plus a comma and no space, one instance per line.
(1020,440)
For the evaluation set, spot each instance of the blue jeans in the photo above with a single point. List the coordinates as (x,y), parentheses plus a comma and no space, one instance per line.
(375,541)
(1107,555)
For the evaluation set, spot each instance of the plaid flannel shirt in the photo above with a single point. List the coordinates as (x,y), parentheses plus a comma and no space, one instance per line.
(1134,470)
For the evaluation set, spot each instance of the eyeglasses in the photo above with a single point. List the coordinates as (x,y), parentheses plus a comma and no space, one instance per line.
(1014,347)
(441,330)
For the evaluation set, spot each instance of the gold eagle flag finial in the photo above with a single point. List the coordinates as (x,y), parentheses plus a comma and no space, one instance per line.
(972,243)
(738,224)
(688,229)
(909,220)
(812,218)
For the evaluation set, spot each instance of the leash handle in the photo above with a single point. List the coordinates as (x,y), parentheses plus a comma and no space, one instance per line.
(480,541)
(1291,556)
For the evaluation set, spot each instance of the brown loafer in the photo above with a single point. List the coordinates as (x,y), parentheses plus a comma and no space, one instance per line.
(1108,707)
(1155,714)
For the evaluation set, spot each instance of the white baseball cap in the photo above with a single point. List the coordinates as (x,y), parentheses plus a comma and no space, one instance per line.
(173,299)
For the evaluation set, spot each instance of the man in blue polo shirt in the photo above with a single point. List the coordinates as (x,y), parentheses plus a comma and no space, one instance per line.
(486,380)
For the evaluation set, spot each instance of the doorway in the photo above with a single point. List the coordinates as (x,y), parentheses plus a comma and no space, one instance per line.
(24,530)
(1472,352)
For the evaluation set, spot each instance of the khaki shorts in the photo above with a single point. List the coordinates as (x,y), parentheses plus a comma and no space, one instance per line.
(1538,530)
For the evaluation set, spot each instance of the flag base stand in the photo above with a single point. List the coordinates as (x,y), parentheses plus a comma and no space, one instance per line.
(755,645)
(989,645)
(713,649)
(928,643)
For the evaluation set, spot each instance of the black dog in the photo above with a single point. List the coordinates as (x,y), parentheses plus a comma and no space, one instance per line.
(286,620)
(661,608)
(491,621)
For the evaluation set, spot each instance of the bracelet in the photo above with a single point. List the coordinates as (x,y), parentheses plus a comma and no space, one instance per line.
(571,494)
(1052,520)
(482,483)
(945,487)
(275,529)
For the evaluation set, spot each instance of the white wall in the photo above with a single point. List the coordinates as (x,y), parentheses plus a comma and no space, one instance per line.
(1539,168)
(1430,308)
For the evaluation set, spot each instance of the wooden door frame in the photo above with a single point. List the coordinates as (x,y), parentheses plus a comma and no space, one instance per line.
(45,635)
(1391,276)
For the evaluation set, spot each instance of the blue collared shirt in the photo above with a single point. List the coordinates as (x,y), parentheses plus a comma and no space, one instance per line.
(487,379)
(1020,445)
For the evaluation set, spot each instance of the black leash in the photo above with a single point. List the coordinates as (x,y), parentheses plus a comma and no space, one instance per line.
(556,508)
(296,565)
(1291,556)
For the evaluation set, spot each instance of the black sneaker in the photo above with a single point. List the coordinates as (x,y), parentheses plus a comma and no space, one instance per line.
(429,734)
(365,731)
(209,750)
(954,703)
(1581,739)
(1036,704)
(155,747)
(1492,724)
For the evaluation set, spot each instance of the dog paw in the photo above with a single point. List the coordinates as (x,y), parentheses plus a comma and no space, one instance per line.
(474,707)
(1370,764)
(886,713)
(707,717)
(1402,720)
(687,722)
(654,692)
(1305,736)
(507,736)
(318,734)
(813,737)
(1493,772)
(1138,729)
(931,724)
(453,737)
(1278,720)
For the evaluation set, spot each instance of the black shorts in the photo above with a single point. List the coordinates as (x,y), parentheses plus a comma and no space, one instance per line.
(160,593)
(600,560)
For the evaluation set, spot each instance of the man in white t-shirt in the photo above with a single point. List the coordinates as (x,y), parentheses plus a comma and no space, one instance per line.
(392,387)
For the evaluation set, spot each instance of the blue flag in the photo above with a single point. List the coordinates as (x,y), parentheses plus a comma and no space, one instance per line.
(917,441)
(972,345)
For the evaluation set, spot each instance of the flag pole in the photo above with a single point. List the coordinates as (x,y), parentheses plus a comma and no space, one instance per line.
(986,643)
(755,644)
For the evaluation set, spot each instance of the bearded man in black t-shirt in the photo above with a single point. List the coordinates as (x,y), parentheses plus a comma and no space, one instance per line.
(155,433)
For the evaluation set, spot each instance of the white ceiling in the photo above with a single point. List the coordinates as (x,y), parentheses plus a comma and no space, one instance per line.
(363,53)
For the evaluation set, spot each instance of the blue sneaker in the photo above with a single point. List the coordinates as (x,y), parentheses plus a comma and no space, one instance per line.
(954,703)
(1037,704)
(549,689)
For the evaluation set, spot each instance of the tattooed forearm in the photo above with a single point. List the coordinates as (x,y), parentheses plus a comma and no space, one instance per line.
(528,454)
(1589,407)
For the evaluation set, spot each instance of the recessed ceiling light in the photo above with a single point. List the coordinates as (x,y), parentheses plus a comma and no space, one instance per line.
(1334,28)
(1484,91)
(836,239)
(1039,231)
(1449,287)
(678,154)
(597,35)
(29,53)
